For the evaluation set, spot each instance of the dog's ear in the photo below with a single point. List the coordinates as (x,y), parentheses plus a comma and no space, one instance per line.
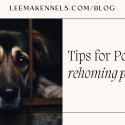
(41,45)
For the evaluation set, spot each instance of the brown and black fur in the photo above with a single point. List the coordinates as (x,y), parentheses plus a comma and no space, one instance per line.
(14,67)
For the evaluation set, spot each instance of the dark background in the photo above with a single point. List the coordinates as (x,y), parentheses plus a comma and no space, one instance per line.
(51,29)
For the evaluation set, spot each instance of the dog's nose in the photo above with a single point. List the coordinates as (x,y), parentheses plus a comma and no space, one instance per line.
(8,94)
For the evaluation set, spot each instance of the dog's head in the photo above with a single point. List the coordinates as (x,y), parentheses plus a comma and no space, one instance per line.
(14,64)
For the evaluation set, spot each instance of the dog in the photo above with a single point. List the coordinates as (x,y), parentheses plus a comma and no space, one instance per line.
(14,68)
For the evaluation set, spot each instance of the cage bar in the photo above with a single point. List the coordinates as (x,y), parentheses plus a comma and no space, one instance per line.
(30,71)
(30,61)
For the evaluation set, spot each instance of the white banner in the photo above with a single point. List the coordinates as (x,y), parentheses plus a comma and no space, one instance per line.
(62,9)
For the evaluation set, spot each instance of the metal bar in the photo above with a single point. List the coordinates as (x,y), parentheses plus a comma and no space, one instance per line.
(36,109)
(41,101)
(30,71)
(30,61)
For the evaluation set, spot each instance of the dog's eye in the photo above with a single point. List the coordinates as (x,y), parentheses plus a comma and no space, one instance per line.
(22,61)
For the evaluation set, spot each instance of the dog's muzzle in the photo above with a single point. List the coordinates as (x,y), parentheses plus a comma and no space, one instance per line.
(8,94)
(9,97)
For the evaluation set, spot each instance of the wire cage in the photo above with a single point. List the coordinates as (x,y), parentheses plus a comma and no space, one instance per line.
(40,101)
(48,108)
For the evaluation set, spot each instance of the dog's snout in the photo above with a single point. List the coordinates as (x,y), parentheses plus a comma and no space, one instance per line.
(8,94)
